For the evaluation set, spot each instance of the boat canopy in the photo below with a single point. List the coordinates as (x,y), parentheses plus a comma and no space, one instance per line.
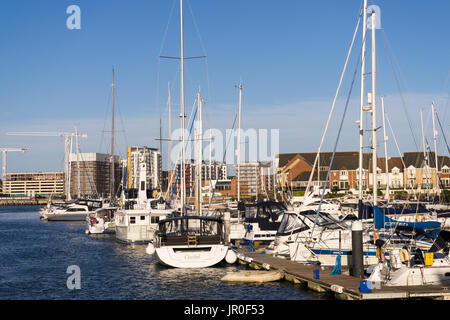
(188,225)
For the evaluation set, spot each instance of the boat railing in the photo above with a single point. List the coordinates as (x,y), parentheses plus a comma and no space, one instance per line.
(189,240)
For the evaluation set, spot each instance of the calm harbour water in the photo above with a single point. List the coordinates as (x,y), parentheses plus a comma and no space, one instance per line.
(34,256)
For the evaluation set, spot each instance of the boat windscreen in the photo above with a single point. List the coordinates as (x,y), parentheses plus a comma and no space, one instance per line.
(325,221)
(191,226)
(441,241)
(290,223)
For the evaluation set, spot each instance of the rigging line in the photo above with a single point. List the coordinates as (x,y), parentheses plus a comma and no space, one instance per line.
(337,141)
(224,155)
(104,121)
(193,114)
(386,46)
(121,121)
(160,52)
(398,150)
(332,106)
(443,133)
(203,48)
(448,96)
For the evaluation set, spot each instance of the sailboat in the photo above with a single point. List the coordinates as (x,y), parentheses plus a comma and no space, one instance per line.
(137,220)
(103,220)
(190,240)
(320,239)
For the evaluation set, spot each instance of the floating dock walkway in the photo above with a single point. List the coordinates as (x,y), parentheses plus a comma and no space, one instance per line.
(343,287)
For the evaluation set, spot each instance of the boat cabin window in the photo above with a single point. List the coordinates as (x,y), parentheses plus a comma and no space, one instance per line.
(75,209)
(290,223)
(132,220)
(154,219)
(184,227)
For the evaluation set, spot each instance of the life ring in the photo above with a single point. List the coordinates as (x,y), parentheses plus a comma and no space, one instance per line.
(404,255)
(155,194)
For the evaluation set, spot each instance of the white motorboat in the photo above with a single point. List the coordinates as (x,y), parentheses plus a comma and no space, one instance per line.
(312,238)
(137,220)
(190,242)
(416,268)
(101,221)
(262,221)
(77,211)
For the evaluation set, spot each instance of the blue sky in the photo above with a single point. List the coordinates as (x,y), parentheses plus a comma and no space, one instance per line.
(288,53)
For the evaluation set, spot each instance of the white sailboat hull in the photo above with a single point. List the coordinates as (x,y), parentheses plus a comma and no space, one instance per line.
(64,216)
(420,275)
(101,228)
(200,256)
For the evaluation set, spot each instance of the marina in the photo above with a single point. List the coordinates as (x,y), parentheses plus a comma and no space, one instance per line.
(342,287)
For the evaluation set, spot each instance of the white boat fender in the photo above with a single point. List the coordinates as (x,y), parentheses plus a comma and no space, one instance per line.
(231,257)
(150,249)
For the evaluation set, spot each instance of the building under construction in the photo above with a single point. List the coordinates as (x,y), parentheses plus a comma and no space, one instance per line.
(90,175)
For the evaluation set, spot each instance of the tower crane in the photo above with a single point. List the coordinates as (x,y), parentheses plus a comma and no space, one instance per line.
(68,139)
(4,152)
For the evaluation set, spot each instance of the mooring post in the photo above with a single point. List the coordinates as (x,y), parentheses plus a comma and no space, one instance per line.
(357,250)
(226,220)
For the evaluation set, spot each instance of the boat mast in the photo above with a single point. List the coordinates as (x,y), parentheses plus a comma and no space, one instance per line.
(78,164)
(198,143)
(210,166)
(386,161)
(361,113)
(169,162)
(425,157)
(239,146)
(374,114)
(435,149)
(111,188)
(182,115)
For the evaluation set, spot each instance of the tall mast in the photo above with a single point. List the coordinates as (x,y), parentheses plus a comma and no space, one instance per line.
(386,161)
(361,111)
(78,164)
(182,115)
(374,115)
(198,143)
(210,166)
(169,149)
(423,136)
(68,164)
(435,148)
(111,188)
(239,145)
(425,157)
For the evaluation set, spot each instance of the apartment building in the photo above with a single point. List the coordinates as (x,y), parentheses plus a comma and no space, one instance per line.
(34,184)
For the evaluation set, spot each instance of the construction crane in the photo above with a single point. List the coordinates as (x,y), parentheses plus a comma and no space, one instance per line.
(4,152)
(68,140)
